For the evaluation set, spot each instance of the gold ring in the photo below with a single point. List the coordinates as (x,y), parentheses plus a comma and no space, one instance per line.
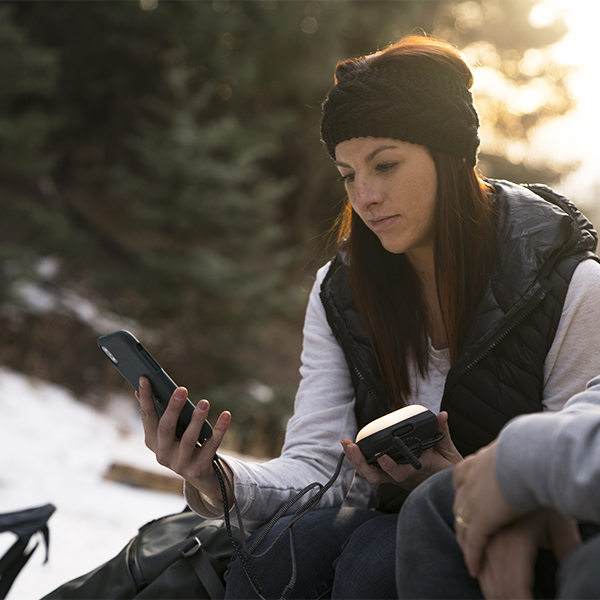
(460,520)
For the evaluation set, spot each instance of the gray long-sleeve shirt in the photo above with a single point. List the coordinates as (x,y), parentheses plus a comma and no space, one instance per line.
(553,459)
(324,409)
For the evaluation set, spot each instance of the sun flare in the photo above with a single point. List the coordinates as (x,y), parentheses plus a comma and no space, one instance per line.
(573,137)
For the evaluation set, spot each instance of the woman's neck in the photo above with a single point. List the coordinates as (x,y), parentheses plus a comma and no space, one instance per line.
(436,329)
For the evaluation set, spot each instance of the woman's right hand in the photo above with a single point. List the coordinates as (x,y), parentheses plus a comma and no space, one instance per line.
(443,455)
(185,457)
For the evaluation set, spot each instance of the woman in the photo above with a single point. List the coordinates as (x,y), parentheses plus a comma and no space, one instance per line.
(463,295)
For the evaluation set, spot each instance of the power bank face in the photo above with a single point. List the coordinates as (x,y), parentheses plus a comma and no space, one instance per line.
(411,424)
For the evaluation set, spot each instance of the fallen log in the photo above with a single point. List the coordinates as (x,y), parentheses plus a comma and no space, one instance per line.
(142,478)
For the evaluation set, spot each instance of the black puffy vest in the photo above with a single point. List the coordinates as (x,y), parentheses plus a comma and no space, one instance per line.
(541,238)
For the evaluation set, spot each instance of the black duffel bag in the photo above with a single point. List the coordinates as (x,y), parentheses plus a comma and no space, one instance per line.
(175,557)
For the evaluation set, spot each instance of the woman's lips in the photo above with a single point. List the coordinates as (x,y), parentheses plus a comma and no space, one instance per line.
(382,223)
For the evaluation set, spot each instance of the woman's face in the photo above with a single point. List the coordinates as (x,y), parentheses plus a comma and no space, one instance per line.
(392,186)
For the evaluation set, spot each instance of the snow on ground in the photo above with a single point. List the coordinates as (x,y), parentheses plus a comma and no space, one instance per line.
(56,449)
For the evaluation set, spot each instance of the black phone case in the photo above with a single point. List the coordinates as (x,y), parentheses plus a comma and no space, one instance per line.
(133,361)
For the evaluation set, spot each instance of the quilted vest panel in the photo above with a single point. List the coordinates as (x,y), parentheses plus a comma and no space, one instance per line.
(498,377)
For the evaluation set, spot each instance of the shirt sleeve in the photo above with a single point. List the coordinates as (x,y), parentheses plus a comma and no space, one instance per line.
(323,415)
(553,458)
(573,358)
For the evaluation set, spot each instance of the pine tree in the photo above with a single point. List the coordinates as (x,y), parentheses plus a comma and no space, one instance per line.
(27,82)
(167,155)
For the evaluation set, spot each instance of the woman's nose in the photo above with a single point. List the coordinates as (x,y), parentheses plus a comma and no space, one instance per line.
(366,196)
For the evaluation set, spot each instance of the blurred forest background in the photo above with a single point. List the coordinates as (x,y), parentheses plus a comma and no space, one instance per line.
(161,171)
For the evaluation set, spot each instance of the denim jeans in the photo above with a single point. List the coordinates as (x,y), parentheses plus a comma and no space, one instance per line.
(429,561)
(340,553)
(578,576)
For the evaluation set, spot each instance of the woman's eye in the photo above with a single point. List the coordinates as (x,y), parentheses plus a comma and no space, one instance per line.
(383,167)
(347,178)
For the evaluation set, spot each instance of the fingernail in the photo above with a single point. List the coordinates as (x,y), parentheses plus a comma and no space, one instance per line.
(202,405)
(180,395)
(142,382)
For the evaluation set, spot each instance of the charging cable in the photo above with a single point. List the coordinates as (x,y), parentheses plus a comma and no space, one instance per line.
(243,552)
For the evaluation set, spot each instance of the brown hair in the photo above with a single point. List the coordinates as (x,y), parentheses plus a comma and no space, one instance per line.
(422,51)
(385,288)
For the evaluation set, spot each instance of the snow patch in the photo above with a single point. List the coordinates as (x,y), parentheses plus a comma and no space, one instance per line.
(56,449)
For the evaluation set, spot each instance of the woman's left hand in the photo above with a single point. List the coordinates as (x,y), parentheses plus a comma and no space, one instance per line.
(443,455)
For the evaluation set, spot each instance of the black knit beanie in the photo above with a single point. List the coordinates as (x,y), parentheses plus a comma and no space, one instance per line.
(404,103)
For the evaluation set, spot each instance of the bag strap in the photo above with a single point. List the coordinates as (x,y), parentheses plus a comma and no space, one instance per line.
(24,524)
(192,551)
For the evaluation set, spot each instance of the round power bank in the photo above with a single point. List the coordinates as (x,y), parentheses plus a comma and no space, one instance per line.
(402,435)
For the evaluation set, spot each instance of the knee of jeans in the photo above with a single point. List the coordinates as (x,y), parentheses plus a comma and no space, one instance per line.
(365,567)
(374,542)
(578,574)
(435,493)
(429,505)
(234,570)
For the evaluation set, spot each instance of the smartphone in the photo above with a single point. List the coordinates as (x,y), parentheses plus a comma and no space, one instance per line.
(133,361)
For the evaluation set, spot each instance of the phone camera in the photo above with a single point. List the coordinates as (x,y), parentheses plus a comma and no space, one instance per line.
(110,355)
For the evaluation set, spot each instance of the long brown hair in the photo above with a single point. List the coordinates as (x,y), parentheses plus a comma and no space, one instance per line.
(385,288)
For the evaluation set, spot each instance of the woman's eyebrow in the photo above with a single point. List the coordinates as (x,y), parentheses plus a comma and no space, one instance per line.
(375,152)
(369,156)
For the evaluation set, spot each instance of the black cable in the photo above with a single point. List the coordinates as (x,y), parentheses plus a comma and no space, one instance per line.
(221,475)
(300,512)
(414,446)
(411,447)
(242,551)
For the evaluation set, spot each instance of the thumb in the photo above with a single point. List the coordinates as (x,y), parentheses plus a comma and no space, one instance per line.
(442,420)
(445,446)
